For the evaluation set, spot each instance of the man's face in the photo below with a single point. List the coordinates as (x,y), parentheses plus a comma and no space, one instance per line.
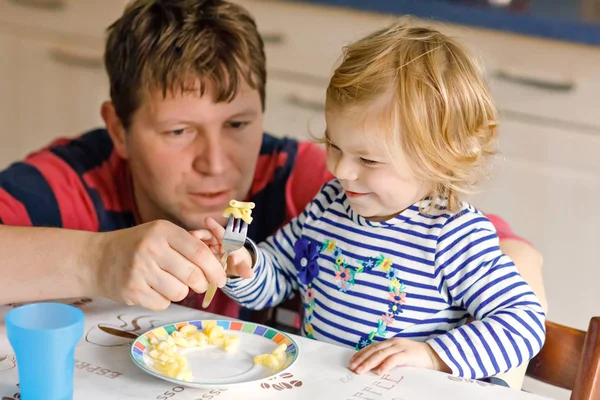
(189,155)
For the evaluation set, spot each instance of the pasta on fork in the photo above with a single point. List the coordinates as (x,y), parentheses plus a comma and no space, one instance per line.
(240,209)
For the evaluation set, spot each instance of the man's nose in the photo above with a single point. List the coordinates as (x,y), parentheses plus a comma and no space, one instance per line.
(210,157)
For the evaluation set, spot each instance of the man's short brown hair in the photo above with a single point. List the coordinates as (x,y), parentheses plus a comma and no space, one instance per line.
(170,44)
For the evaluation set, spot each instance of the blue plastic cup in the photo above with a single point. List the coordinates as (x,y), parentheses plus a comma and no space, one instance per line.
(43,336)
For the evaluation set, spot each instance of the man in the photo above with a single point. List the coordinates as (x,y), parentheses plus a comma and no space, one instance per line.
(183,136)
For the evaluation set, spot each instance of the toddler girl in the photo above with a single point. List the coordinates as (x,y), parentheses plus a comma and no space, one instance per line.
(387,257)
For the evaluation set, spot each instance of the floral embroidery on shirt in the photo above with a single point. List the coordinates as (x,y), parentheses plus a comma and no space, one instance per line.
(396,296)
(344,274)
(306,255)
(388,319)
(306,261)
(344,277)
(369,263)
(368,339)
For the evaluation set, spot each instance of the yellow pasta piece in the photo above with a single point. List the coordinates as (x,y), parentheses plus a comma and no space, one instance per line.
(275,360)
(171,369)
(217,341)
(216,332)
(279,353)
(231,339)
(236,212)
(162,346)
(281,348)
(247,216)
(171,351)
(181,342)
(186,329)
(232,343)
(167,359)
(242,204)
(268,360)
(154,354)
(260,359)
(177,334)
(201,339)
(240,209)
(181,361)
(208,325)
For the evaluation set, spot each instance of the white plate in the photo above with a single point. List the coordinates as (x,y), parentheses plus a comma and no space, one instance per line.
(212,366)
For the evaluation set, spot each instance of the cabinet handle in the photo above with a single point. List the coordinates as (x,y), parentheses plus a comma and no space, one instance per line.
(308,104)
(42,4)
(77,58)
(555,85)
(273,38)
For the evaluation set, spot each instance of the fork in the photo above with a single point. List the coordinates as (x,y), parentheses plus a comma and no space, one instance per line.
(233,239)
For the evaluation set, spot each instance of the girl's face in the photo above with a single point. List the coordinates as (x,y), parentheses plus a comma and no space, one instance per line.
(377,188)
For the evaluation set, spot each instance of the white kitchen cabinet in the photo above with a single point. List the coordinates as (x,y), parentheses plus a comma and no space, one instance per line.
(47,90)
(294,109)
(52,80)
(8,133)
(86,19)
(547,188)
(550,80)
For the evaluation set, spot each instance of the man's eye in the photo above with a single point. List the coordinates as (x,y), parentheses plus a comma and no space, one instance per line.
(366,161)
(238,124)
(178,132)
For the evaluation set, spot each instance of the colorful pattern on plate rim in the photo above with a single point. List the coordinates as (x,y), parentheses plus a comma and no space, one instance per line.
(142,342)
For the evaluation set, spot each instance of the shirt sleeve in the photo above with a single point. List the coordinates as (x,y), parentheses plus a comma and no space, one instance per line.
(43,190)
(283,260)
(474,275)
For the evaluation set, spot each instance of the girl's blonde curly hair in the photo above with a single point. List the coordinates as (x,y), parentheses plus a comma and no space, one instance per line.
(427,96)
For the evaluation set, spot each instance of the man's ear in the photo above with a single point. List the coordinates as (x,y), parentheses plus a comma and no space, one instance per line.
(115,128)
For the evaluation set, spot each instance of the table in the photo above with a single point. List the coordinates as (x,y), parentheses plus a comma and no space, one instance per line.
(104,369)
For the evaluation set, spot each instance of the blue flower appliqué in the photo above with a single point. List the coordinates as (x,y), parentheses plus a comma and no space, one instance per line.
(307,253)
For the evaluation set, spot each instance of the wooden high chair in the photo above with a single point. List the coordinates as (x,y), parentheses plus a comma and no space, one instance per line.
(570,359)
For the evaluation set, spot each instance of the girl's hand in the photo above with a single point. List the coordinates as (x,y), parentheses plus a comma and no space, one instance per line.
(396,352)
(239,263)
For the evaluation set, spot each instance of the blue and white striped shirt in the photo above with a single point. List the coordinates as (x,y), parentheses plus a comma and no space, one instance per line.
(417,276)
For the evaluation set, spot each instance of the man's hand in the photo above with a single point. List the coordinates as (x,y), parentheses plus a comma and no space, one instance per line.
(153,264)
(394,352)
(239,263)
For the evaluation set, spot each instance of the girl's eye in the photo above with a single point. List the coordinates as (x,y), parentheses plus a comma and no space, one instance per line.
(178,132)
(331,146)
(366,161)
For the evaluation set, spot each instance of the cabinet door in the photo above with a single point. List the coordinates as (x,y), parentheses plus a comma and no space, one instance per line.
(294,109)
(308,39)
(8,83)
(87,19)
(47,90)
(547,187)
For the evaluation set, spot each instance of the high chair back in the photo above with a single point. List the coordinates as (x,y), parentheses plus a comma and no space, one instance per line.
(570,359)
